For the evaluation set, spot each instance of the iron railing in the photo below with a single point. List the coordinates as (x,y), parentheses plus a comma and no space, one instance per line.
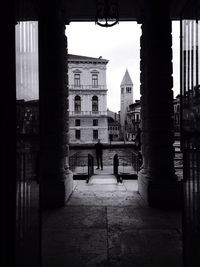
(88,113)
(78,163)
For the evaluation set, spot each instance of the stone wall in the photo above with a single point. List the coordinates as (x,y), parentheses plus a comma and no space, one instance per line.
(86,127)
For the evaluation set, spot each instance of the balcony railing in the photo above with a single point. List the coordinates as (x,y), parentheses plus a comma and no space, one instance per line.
(87,113)
(87,87)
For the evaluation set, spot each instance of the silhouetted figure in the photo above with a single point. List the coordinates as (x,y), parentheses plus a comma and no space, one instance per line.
(138,139)
(99,153)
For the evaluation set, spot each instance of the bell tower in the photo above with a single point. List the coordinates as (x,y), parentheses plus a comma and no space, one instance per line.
(126,97)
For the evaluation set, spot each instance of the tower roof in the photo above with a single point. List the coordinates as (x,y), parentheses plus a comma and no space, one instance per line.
(127,79)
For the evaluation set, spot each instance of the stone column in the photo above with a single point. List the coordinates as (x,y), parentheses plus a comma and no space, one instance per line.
(8,138)
(157,182)
(56,179)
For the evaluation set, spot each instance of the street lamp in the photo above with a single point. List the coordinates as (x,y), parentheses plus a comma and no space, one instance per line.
(107,13)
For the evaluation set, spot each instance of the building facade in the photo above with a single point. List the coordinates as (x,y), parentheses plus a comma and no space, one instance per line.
(133,120)
(87,99)
(177,118)
(113,126)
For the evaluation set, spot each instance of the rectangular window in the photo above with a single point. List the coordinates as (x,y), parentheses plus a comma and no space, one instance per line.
(77,122)
(78,134)
(77,80)
(95,122)
(94,80)
(95,104)
(77,104)
(95,134)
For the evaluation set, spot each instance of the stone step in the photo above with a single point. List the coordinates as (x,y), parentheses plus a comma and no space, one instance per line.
(103,179)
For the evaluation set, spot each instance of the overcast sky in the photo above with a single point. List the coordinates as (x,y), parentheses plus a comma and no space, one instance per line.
(121,46)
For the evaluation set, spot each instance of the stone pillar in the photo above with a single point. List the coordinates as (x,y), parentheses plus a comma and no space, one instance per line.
(157,182)
(56,178)
(8,138)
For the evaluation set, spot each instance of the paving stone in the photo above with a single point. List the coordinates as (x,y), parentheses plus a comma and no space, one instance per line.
(104,194)
(144,247)
(102,187)
(143,218)
(131,185)
(106,199)
(75,217)
(75,240)
(102,226)
(101,180)
(66,259)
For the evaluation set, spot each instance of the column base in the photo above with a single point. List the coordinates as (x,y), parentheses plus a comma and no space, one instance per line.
(55,193)
(160,194)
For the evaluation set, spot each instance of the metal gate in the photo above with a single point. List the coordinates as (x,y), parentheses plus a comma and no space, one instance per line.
(190,128)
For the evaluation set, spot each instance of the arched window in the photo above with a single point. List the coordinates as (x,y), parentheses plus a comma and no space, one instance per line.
(95,105)
(128,89)
(77,104)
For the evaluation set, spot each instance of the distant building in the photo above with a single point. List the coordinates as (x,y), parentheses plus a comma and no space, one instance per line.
(114,115)
(87,99)
(177,117)
(191,111)
(113,126)
(133,120)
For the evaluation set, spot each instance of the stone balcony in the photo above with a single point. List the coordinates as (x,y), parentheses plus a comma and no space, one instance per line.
(87,87)
(87,113)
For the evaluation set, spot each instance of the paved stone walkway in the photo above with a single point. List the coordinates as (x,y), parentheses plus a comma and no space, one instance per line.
(108,224)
